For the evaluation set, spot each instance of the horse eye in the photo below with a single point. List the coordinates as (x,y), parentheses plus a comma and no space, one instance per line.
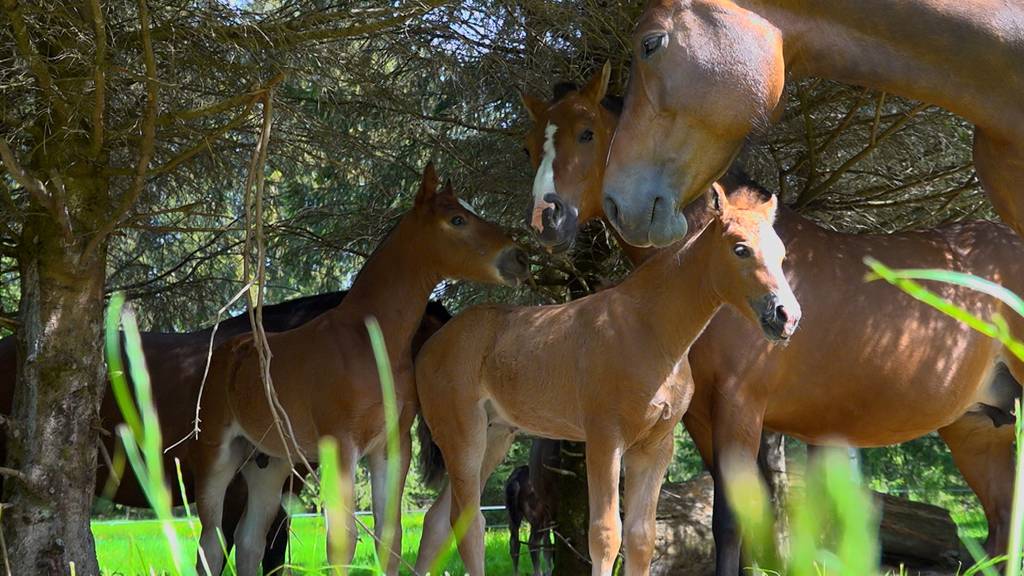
(742,251)
(587,135)
(458,221)
(652,44)
(526,151)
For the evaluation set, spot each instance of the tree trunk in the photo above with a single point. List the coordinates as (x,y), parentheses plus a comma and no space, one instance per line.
(56,404)
(573,518)
(772,460)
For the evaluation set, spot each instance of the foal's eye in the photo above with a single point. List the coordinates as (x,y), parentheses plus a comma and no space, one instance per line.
(651,44)
(587,135)
(458,221)
(742,251)
(526,151)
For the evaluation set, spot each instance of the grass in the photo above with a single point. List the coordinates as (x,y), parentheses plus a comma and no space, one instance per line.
(139,546)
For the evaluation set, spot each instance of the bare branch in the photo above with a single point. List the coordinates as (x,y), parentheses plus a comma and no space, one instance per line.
(32,185)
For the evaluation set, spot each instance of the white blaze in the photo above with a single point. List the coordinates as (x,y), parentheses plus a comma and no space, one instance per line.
(544,181)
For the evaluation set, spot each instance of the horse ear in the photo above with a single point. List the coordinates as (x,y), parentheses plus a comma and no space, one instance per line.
(448,190)
(428,185)
(597,87)
(771,207)
(717,200)
(534,106)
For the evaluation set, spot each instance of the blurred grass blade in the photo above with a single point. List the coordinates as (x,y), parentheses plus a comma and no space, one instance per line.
(394,449)
(140,434)
(331,486)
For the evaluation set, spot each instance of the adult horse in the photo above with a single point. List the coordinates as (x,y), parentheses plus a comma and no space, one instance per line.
(326,380)
(609,369)
(706,72)
(889,351)
(176,363)
(530,495)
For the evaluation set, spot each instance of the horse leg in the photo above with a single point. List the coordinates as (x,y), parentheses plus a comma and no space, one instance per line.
(514,544)
(737,438)
(984,455)
(276,552)
(999,164)
(216,465)
(537,535)
(264,501)
(437,526)
(463,442)
(604,457)
(645,470)
(234,507)
(389,553)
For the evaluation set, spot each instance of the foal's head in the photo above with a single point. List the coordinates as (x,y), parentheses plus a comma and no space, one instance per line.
(705,73)
(460,243)
(568,144)
(746,267)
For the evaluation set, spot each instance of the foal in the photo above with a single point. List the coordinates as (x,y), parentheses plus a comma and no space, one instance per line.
(326,378)
(609,369)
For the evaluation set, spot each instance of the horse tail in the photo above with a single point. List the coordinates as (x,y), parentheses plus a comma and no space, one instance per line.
(431,461)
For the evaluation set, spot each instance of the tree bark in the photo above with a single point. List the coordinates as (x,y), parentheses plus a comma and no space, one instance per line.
(772,461)
(56,404)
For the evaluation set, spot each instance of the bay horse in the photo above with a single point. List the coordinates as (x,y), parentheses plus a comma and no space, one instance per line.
(707,72)
(176,362)
(609,369)
(865,356)
(530,495)
(325,377)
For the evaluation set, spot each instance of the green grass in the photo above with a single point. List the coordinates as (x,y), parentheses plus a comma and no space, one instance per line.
(136,547)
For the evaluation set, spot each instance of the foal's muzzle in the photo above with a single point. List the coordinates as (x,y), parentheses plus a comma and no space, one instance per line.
(559,222)
(778,320)
(513,266)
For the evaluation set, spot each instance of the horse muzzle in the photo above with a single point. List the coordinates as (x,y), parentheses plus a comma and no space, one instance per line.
(643,210)
(513,266)
(556,223)
(779,320)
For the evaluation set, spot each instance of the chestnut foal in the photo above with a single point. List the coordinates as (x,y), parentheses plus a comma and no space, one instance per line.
(326,379)
(609,369)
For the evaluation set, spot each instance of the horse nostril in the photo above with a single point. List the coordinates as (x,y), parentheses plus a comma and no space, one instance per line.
(611,209)
(521,259)
(780,313)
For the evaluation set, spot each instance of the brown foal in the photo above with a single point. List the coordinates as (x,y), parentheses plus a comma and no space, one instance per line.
(707,72)
(325,376)
(609,369)
(894,353)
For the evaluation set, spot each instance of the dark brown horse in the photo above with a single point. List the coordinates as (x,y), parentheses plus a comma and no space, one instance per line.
(707,72)
(530,495)
(176,363)
(869,366)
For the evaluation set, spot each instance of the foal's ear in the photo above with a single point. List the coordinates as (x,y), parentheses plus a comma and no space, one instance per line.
(534,106)
(447,190)
(717,200)
(597,87)
(428,185)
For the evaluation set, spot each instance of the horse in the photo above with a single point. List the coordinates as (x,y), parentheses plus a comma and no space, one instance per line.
(326,380)
(609,369)
(177,362)
(708,72)
(530,495)
(858,392)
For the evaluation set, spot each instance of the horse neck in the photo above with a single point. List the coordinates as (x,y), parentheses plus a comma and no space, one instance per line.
(910,48)
(673,293)
(393,287)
